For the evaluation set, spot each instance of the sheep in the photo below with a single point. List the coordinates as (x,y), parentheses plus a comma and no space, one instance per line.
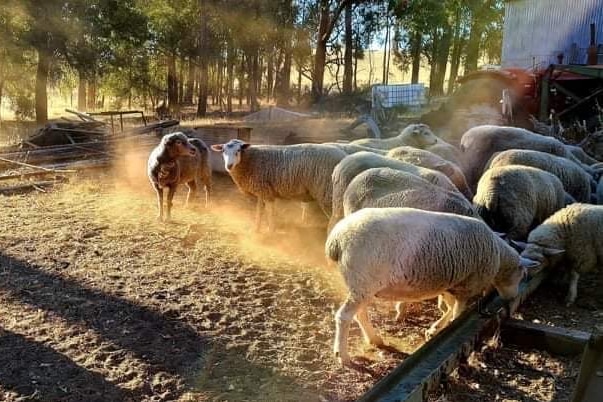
(575,180)
(582,156)
(296,172)
(571,239)
(350,148)
(514,199)
(405,254)
(176,160)
(478,144)
(429,160)
(446,151)
(385,187)
(414,135)
(354,164)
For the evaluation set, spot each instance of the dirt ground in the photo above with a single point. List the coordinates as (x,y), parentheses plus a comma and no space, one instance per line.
(100,302)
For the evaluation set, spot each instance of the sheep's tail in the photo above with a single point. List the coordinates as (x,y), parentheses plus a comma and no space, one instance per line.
(333,249)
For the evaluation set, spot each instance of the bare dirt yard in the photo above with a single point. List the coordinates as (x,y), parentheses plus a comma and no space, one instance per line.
(100,302)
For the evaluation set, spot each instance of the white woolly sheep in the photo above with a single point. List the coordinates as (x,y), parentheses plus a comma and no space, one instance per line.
(295,172)
(581,155)
(350,148)
(405,254)
(447,151)
(575,180)
(478,144)
(414,135)
(571,239)
(429,160)
(385,187)
(354,164)
(514,199)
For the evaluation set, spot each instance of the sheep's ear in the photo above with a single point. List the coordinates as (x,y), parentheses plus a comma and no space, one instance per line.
(245,145)
(500,234)
(528,263)
(217,147)
(518,245)
(550,252)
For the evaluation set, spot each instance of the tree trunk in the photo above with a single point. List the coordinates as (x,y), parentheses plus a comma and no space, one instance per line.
(320,55)
(475,35)
(299,84)
(230,60)
(457,50)
(190,83)
(441,61)
(172,82)
(81,92)
(91,93)
(1,94)
(44,60)
(347,58)
(283,90)
(415,54)
(270,76)
(203,87)
(253,82)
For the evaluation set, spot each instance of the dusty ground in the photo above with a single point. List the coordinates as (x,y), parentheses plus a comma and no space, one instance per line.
(98,301)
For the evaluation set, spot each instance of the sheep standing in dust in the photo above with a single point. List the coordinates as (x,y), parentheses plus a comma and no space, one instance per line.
(177,160)
(414,135)
(295,172)
(514,199)
(354,164)
(409,255)
(570,238)
(576,181)
(385,187)
(478,144)
(429,160)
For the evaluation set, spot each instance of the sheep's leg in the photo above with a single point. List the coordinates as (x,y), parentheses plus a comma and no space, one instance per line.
(259,207)
(159,192)
(443,305)
(447,316)
(573,288)
(192,192)
(270,213)
(343,318)
(368,331)
(400,311)
(207,183)
(170,197)
(304,213)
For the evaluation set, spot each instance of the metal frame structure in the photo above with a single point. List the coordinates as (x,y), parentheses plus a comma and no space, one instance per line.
(549,81)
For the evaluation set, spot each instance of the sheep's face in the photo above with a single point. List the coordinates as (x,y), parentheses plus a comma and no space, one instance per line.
(508,287)
(177,145)
(419,136)
(231,152)
(544,256)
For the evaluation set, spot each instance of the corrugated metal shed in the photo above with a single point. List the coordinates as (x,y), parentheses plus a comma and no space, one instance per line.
(536,31)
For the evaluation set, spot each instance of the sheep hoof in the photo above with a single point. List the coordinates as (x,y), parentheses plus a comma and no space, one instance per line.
(430,333)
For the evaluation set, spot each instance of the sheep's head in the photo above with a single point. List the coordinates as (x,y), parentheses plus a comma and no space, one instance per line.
(177,145)
(231,152)
(544,256)
(418,136)
(508,285)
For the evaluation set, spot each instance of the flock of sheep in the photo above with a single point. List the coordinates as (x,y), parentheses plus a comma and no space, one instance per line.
(413,217)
